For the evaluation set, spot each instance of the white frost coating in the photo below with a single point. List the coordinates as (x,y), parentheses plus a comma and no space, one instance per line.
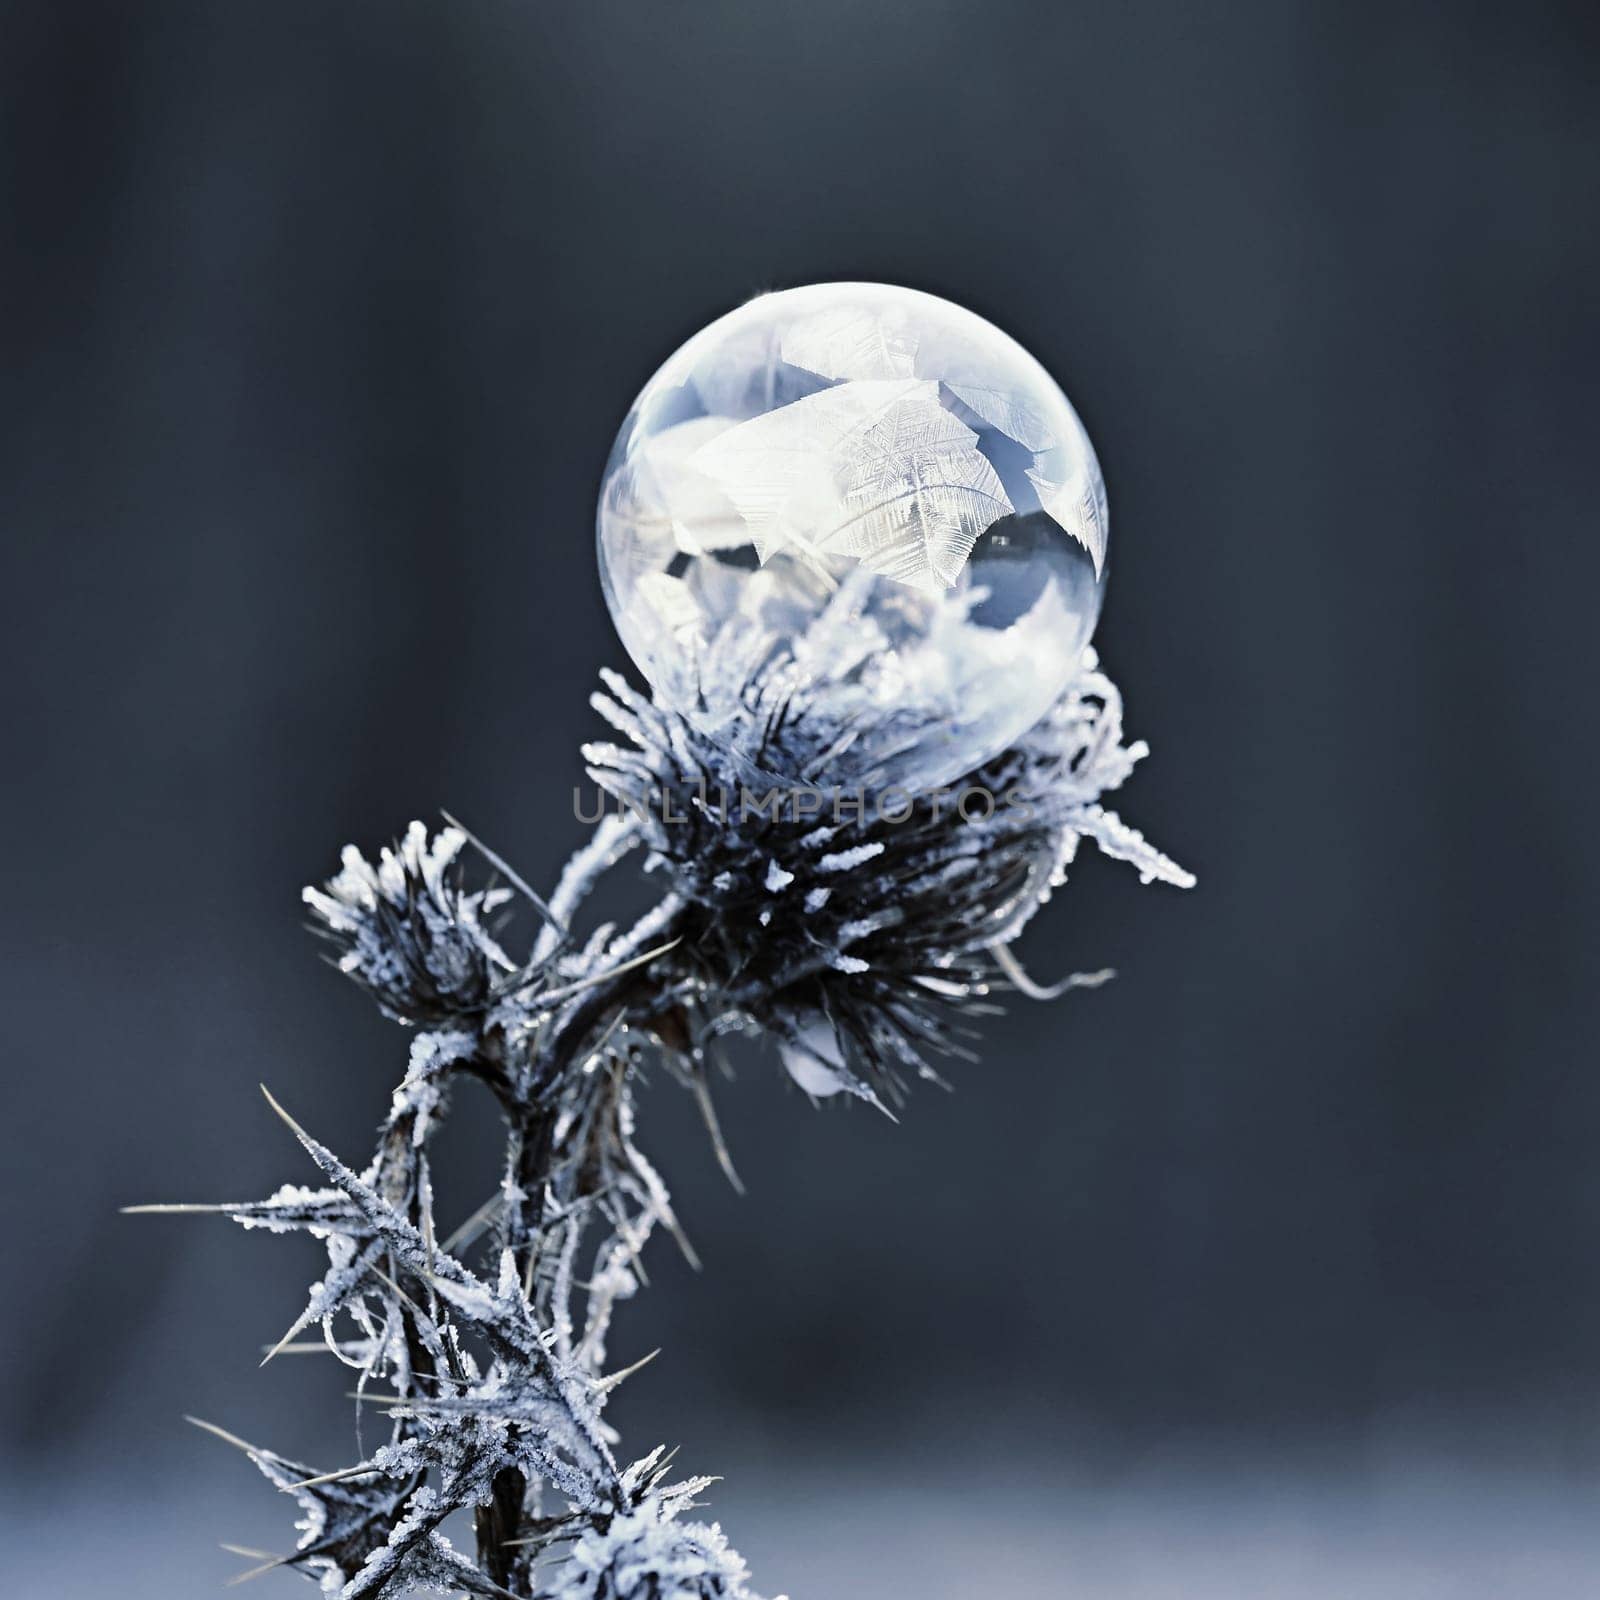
(646,1555)
(611,840)
(776,877)
(420,1093)
(849,860)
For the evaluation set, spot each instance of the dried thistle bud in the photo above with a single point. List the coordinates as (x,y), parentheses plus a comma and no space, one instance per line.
(407,930)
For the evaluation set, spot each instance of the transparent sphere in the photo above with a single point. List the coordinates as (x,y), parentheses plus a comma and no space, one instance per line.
(876,490)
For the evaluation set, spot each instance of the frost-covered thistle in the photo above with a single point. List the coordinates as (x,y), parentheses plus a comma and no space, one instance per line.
(860,945)
(822,886)
(845,921)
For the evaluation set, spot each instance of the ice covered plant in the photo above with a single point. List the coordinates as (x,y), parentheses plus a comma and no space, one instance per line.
(841,611)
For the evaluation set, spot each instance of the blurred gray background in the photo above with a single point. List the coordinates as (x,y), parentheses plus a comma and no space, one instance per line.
(1271,1269)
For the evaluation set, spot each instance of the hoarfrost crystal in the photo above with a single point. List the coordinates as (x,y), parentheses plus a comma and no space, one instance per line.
(864,484)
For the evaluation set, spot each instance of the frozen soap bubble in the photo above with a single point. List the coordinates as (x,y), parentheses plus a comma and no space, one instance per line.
(870,494)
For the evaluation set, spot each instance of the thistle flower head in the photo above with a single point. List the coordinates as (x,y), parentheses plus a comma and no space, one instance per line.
(854,923)
(407,930)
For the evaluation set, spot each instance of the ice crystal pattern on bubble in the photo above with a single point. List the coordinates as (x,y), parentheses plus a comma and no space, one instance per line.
(910,492)
(862,439)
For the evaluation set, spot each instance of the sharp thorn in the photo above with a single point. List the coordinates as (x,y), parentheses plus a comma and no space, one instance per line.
(470,1228)
(294,1127)
(511,873)
(569,989)
(607,1384)
(222,1434)
(332,1477)
(256,1572)
(297,1327)
(708,1111)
